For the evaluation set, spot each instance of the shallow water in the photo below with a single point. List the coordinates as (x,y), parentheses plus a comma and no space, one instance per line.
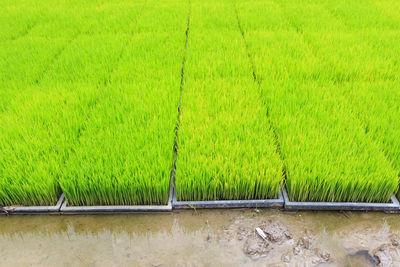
(201,238)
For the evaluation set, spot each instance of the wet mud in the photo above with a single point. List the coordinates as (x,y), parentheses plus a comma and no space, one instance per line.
(203,238)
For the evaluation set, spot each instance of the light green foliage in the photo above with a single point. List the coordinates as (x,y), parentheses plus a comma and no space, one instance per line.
(373,91)
(101,106)
(125,154)
(306,54)
(36,137)
(226,148)
(89,95)
(39,120)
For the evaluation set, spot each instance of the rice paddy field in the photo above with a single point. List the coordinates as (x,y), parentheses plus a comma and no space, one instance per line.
(109,102)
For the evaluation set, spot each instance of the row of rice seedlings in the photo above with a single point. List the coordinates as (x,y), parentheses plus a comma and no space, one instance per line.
(18,18)
(125,155)
(36,137)
(328,154)
(42,125)
(226,148)
(26,55)
(375,94)
(362,52)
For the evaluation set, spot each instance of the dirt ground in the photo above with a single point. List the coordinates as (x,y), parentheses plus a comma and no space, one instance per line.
(203,238)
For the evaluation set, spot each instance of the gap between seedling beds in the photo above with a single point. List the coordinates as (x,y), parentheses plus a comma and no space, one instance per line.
(391,207)
(33,210)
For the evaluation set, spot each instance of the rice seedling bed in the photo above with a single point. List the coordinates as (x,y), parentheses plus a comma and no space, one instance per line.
(125,155)
(226,149)
(33,210)
(100,101)
(115,209)
(392,206)
(372,88)
(33,44)
(41,126)
(328,155)
(228,204)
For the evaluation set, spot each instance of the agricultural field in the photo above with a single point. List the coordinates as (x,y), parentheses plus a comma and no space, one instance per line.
(226,147)
(98,122)
(103,100)
(334,146)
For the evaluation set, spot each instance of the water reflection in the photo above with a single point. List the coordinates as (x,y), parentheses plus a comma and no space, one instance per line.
(201,238)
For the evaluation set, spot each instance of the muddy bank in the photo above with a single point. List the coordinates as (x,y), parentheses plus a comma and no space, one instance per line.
(203,238)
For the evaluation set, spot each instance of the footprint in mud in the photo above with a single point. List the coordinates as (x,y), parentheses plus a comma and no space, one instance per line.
(360,258)
(382,250)
(305,249)
(256,248)
(280,246)
(380,256)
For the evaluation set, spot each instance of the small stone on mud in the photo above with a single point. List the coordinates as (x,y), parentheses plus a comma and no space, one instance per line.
(305,241)
(242,233)
(297,251)
(286,257)
(276,232)
(323,255)
(395,240)
(255,248)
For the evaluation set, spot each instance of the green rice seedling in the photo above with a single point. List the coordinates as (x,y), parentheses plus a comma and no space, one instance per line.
(27,56)
(125,154)
(18,18)
(36,138)
(89,95)
(35,42)
(376,105)
(226,148)
(362,55)
(372,91)
(43,122)
(328,154)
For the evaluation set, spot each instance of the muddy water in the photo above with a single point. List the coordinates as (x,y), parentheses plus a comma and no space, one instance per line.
(202,238)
